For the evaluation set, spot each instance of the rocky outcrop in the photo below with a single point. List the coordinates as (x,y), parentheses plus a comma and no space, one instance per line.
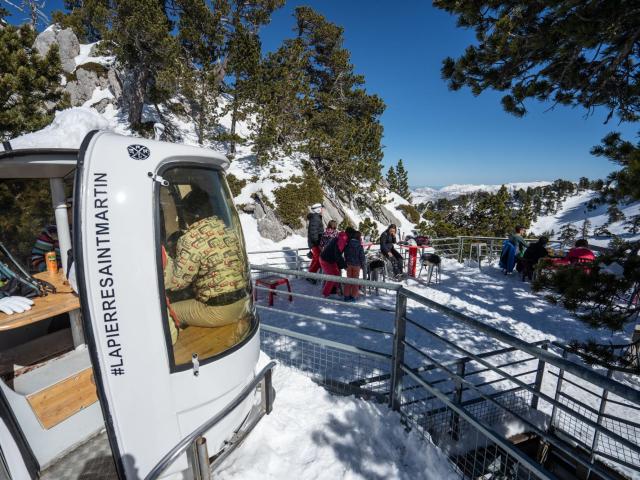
(67,42)
(268,224)
(88,77)
(83,80)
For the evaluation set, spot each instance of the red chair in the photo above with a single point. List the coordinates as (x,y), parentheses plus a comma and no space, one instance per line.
(272,283)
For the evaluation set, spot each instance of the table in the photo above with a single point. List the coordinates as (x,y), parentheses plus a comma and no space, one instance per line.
(63,301)
(412,258)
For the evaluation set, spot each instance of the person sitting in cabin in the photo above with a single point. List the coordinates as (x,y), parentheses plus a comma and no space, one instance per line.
(387,248)
(356,261)
(209,259)
(532,256)
(46,242)
(581,253)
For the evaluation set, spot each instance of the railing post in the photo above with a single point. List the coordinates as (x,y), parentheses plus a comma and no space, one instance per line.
(198,456)
(603,406)
(397,358)
(554,411)
(538,381)
(460,242)
(457,398)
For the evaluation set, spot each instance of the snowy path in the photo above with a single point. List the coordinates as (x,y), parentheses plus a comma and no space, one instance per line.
(313,435)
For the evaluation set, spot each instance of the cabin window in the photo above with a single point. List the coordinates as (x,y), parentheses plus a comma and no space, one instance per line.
(204,265)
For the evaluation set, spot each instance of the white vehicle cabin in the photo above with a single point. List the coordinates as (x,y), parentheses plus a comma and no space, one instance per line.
(163,333)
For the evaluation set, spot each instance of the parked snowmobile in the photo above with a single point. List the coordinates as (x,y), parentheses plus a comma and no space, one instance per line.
(159,356)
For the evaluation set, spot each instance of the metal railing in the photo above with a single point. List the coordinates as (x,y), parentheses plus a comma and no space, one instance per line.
(460,399)
(198,457)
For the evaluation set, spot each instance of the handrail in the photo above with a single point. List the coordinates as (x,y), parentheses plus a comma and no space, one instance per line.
(596,378)
(328,278)
(183,444)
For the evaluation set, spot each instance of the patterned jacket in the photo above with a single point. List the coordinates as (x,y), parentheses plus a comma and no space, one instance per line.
(47,241)
(209,256)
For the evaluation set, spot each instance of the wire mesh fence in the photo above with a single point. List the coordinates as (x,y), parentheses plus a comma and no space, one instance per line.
(342,372)
(494,413)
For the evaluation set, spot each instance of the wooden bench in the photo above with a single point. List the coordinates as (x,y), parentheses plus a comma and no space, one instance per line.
(63,301)
(207,341)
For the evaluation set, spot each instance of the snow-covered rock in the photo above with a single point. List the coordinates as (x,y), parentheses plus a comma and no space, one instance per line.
(68,129)
(67,42)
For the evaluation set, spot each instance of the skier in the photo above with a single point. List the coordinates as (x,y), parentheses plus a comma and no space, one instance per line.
(314,233)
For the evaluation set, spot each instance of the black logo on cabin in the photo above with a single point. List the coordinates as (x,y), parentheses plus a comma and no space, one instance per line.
(138,152)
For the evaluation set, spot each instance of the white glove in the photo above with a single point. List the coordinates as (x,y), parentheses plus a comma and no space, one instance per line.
(10,305)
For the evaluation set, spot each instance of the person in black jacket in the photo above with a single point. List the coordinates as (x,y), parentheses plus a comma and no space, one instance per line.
(387,241)
(532,256)
(314,233)
(356,260)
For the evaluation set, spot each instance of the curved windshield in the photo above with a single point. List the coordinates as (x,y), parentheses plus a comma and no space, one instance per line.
(205,269)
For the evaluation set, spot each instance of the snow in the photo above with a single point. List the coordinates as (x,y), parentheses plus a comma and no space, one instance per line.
(574,211)
(68,129)
(313,435)
(85,56)
(98,95)
(425,194)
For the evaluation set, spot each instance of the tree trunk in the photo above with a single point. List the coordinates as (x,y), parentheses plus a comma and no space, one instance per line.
(136,96)
(234,118)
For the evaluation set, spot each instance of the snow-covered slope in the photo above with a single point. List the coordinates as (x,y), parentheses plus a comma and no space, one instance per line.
(574,211)
(313,435)
(425,194)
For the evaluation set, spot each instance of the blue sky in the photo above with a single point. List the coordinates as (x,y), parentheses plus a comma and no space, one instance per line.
(449,137)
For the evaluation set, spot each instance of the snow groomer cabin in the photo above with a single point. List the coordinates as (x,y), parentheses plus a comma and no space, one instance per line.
(139,357)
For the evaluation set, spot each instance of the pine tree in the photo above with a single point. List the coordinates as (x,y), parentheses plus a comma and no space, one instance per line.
(583,183)
(244,66)
(142,41)
(220,41)
(633,224)
(403,181)
(392,179)
(282,100)
(568,234)
(614,213)
(29,84)
(89,19)
(344,131)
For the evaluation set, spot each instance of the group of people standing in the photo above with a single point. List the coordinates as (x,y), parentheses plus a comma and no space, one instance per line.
(333,251)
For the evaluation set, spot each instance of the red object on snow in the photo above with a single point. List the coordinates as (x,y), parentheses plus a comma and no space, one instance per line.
(272,283)
(413,260)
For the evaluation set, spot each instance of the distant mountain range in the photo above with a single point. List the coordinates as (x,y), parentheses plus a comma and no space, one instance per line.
(425,194)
